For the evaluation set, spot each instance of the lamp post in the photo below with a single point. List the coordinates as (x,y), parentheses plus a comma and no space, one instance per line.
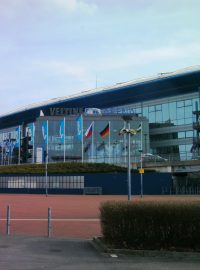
(141,165)
(129,163)
(129,132)
(46,174)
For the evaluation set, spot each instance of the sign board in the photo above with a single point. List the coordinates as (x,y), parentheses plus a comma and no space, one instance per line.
(65,111)
(39,154)
(141,170)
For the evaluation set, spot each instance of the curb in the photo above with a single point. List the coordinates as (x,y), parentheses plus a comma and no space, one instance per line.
(98,243)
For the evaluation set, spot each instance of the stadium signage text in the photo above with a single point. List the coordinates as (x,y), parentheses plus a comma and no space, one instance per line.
(65,111)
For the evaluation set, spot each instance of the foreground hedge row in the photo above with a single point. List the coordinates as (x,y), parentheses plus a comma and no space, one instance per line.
(60,168)
(151,225)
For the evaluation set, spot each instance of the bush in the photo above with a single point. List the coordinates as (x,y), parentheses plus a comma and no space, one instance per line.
(60,168)
(151,225)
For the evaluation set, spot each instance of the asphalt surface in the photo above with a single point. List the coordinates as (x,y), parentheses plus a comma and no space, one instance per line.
(25,253)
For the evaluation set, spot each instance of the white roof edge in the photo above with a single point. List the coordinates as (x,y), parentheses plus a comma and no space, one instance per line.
(106,88)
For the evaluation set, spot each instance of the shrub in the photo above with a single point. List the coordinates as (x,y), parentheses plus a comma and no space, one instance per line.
(151,225)
(60,168)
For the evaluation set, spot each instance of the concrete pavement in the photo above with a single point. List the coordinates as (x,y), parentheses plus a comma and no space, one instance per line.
(28,253)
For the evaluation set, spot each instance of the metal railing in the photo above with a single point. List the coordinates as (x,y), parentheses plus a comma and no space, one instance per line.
(121,158)
(181,190)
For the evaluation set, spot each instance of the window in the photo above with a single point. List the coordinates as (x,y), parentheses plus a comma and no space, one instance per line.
(189,134)
(180,113)
(158,108)
(145,112)
(165,112)
(188,102)
(180,104)
(151,109)
(181,134)
(172,110)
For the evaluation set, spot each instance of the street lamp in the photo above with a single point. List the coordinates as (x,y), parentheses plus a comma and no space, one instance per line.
(129,131)
(46,174)
(141,165)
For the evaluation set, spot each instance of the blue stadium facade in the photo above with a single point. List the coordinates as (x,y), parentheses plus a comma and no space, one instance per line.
(168,104)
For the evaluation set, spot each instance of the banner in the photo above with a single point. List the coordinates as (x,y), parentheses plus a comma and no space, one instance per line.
(139,129)
(39,155)
(87,147)
(101,146)
(105,131)
(45,132)
(62,131)
(89,131)
(31,132)
(1,144)
(79,122)
(17,137)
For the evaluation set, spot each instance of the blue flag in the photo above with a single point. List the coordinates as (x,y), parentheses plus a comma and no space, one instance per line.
(62,131)
(79,122)
(45,132)
(17,137)
(31,132)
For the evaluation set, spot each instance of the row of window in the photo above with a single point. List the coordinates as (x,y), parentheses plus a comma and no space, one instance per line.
(176,112)
(175,152)
(39,182)
(173,135)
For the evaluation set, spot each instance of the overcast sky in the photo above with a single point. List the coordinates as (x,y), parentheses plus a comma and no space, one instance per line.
(53,48)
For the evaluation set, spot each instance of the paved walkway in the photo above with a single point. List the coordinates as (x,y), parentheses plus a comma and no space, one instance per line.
(23,253)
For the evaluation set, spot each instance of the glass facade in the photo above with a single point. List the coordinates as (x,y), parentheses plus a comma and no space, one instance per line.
(176,112)
(7,146)
(103,145)
(170,124)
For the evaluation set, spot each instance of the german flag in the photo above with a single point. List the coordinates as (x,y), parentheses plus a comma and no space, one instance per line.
(105,131)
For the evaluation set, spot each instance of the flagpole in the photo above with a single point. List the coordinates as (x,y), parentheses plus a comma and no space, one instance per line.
(33,156)
(141,165)
(64,136)
(125,144)
(8,146)
(19,135)
(46,160)
(109,143)
(82,138)
(129,162)
(93,142)
(2,149)
(47,140)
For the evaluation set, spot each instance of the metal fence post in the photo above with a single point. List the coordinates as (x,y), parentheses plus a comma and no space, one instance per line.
(49,222)
(8,220)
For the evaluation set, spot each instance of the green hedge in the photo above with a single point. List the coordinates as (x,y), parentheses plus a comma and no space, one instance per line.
(61,168)
(151,225)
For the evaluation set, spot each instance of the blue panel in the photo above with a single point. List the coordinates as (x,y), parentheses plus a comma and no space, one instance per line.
(116,183)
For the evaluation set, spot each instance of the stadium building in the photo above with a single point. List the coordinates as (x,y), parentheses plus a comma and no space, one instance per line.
(69,128)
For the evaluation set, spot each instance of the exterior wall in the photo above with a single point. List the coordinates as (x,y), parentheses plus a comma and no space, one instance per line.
(111,183)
